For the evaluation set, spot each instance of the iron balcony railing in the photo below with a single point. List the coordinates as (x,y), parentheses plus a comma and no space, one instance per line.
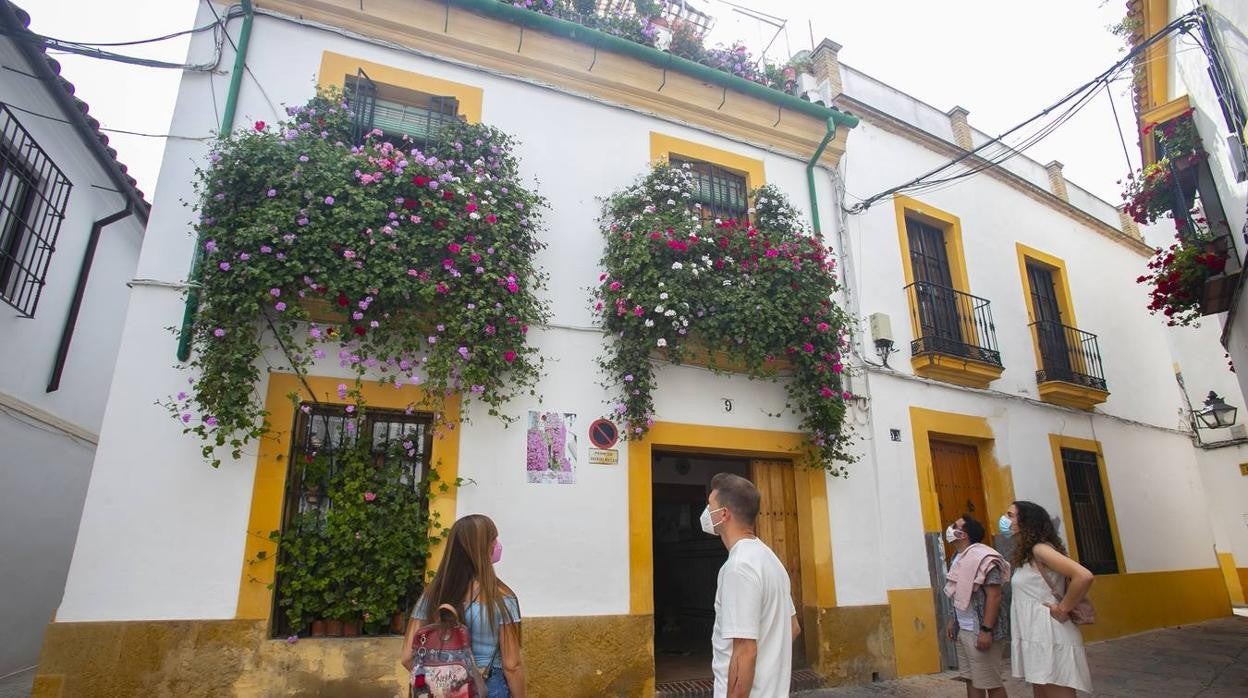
(953,323)
(1068,354)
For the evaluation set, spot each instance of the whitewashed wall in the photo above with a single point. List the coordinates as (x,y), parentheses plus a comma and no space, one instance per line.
(1151,466)
(164,532)
(43,470)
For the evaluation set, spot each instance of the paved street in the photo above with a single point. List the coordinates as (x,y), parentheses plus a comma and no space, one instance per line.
(1208,659)
(17,686)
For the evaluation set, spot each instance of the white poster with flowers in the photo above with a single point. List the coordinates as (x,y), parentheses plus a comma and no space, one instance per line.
(551,451)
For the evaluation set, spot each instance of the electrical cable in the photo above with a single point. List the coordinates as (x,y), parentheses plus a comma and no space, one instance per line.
(1080,94)
(111,130)
(137,42)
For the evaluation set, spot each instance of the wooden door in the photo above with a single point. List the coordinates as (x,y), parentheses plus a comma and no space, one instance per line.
(777,518)
(959,484)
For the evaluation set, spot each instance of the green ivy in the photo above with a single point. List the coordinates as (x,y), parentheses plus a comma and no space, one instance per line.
(418,265)
(751,293)
(364,556)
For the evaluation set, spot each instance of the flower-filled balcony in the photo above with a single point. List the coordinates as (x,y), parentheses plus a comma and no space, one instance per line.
(753,297)
(955,339)
(1197,274)
(1071,372)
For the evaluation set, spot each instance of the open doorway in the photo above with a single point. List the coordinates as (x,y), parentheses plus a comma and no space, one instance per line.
(687,561)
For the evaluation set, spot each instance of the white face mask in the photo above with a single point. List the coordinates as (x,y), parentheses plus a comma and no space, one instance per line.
(953,535)
(707,526)
(1003,525)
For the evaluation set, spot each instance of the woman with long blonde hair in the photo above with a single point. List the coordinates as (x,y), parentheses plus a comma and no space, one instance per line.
(465,579)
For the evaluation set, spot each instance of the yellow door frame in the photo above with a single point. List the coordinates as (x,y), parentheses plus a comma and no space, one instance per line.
(998,479)
(268,494)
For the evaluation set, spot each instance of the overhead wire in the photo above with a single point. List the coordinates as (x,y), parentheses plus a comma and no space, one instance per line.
(1080,95)
(110,130)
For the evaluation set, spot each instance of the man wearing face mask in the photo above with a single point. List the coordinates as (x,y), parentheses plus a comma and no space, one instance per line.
(755,622)
(980,624)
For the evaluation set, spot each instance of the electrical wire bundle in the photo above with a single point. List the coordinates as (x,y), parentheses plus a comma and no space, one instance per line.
(994,152)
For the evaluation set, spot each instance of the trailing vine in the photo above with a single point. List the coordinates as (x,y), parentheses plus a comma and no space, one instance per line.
(749,297)
(404,265)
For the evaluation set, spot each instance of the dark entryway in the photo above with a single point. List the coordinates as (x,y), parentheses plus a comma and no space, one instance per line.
(686,563)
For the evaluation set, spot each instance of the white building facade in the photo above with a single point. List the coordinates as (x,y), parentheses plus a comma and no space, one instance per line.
(165,565)
(71,225)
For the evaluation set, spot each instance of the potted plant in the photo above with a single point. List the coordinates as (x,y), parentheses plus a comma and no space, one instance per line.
(1165,187)
(1179,274)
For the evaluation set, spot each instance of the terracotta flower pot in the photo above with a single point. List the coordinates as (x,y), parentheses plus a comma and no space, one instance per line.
(318,628)
(333,628)
(351,628)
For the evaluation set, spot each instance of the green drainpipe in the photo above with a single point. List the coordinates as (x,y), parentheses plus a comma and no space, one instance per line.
(227,125)
(810,175)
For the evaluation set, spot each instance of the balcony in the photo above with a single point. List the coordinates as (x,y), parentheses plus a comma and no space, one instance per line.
(1071,373)
(955,339)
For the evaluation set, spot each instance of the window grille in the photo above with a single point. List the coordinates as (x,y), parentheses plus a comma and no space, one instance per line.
(1088,512)
(320,435)
(33,196)
(418,119)
(721,193)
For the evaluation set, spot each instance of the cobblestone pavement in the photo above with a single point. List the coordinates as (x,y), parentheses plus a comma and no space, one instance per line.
(1206,659)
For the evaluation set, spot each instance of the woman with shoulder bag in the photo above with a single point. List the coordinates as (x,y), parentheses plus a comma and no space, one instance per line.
(465,581)
(1047,647)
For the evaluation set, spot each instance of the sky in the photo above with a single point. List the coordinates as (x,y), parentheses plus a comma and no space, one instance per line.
(1003,60)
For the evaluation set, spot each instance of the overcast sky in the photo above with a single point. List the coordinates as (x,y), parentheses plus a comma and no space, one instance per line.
(1003,60)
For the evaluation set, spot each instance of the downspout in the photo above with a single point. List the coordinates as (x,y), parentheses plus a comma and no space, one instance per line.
(810,175)
(227,125)
(80,288)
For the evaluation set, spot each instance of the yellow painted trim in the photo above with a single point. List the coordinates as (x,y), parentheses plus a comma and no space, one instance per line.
(1061,279)
(1234,587)
(1056,443)
(1157,61)
(955,369)
(913,616)
(255,599)
(662,146)
(1159,115)
(1080,397)
(951,224)
(1128,603)
(335,68)
(818,579)
(998,479)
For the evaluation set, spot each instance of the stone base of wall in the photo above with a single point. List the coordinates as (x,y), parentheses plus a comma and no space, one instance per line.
(852,644)
(570,656)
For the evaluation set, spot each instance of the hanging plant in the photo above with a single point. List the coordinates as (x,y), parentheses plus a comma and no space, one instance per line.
(748,295)
(404,265)
(1152,192)
(1177,274)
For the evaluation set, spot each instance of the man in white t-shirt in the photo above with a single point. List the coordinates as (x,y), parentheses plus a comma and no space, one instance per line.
(755,622)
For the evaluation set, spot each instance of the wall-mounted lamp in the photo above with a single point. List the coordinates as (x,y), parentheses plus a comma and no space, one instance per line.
(1217,414)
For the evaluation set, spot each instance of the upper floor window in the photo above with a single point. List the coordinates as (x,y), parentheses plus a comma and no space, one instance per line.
(33,195)
(721,193)
(398,112)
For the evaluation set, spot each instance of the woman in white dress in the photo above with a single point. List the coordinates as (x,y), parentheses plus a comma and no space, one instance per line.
(1047,648)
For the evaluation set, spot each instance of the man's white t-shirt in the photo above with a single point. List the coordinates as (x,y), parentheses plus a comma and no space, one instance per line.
(753,602)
